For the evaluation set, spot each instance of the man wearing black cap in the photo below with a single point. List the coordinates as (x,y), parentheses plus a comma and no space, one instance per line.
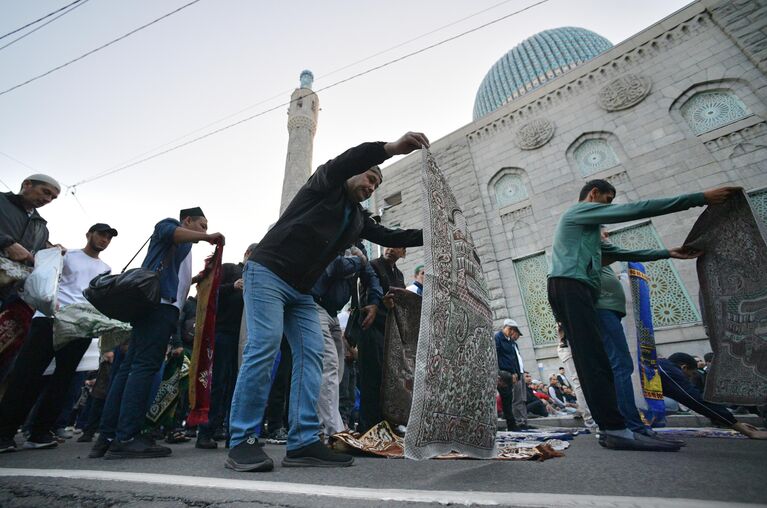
(25,381)
(128,399)
(322,220)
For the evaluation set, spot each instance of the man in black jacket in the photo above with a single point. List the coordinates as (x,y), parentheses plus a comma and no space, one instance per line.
(371,344)
(324,218)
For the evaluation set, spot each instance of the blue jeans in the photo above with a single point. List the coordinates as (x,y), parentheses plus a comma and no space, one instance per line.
(271,307)
(622,365)
(129,394)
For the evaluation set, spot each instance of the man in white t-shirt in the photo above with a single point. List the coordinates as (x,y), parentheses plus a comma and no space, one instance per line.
(26,386)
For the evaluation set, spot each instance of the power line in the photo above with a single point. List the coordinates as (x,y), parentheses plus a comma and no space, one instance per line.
(30,80)
(40,19)
(283,92)
(77,4)
(279,106)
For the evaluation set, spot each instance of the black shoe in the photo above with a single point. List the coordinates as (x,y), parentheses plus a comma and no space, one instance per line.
(639,443)
(279,436)
(99,448)
(651,433)
(219,435)
(86,437)
(205,443)
(249,456)
(528,427)
(316,455)
(139,447)
(7,444)
(41,441)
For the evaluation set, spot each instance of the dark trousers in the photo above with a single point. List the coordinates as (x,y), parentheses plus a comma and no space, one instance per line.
(573,306)
(279,394)
(224,378)
(370,363)
(677,386)
(347,393)
(537,407)
(128,399)
(26,385)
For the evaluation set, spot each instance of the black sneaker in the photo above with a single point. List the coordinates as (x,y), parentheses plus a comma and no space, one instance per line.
(249,456)
(140,447)
(7,444)
(316,455)
(279,436)
(99,448)
(41,441)
(86,437)
(205,443)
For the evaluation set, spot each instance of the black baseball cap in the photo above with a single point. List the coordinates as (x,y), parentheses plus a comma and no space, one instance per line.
(100,226)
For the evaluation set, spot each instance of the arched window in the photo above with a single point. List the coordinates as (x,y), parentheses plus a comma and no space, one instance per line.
(510,189)
(595,155)
(709,110)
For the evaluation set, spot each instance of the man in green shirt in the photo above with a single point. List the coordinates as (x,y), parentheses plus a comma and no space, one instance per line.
(574,286)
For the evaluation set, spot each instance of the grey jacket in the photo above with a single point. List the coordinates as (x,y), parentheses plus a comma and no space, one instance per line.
(16,226)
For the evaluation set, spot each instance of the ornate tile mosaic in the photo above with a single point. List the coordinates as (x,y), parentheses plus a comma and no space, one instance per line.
(595,155)
(531,276)
(671,305)
(706,111)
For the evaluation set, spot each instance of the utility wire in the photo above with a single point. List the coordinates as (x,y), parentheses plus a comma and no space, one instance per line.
(39,19)
(17,39)
(332,85)
(283,92)
(30,80)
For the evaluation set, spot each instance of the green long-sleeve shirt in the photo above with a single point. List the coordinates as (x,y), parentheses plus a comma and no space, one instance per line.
(577,250)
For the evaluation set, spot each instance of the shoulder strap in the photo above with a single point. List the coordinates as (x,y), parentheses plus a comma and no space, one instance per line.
(136,254)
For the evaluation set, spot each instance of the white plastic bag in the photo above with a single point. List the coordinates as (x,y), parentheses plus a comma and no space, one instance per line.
(42,286)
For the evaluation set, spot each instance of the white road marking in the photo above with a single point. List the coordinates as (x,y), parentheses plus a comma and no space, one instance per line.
(531,499)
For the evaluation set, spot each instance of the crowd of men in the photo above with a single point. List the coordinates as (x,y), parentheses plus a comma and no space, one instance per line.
(284,369)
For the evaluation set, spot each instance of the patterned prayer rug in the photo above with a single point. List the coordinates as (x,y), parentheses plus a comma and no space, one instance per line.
(201,370)
(733,288)
(400,343)
(456,368)
(684,432)
(382,441)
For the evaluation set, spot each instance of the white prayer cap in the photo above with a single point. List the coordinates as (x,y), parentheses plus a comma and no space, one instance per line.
(511,323)
(45,179)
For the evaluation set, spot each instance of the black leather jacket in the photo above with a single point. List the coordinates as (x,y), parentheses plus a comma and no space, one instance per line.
(16,226)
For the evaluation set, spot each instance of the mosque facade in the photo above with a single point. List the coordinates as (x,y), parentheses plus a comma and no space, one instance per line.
(679,107)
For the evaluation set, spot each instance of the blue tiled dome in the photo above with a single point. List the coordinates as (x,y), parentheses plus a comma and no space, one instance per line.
(535,61)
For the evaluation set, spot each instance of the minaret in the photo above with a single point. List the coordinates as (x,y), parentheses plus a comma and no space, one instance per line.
(302,124)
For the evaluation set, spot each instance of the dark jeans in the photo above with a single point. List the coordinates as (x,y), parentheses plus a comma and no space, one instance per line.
(224,378)
(617,349)
(279,394)
(537,407)
(26,385)
(370,363)
(347,393)
(128,399)
(573,306)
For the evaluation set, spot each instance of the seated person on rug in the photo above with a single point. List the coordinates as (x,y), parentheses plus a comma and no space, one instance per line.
(557,396)
(535,406)
(676,374)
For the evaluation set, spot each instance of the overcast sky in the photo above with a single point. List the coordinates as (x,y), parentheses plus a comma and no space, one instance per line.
(221,58)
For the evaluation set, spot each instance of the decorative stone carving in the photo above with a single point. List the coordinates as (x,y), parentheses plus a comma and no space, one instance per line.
(535,134)
(624,92)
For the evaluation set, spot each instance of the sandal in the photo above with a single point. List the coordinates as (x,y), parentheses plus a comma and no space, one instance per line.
(176,436)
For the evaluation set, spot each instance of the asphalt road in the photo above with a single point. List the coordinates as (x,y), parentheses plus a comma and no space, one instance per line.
(713,471)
